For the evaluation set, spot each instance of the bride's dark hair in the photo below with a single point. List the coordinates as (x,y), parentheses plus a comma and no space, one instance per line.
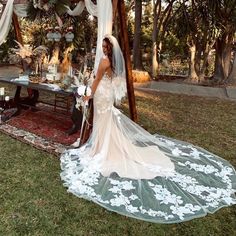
(109,51)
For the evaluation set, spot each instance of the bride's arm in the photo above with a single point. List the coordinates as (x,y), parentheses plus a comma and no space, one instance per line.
(100,72)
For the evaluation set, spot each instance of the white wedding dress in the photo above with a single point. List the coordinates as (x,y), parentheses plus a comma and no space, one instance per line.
(127,170)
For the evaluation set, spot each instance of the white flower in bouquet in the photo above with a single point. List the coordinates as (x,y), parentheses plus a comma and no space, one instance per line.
(82,91)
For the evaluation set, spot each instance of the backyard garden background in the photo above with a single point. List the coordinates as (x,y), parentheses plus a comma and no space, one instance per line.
(184,42)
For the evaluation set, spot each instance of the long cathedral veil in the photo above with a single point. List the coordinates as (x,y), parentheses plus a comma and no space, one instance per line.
(119,74)
(104,16)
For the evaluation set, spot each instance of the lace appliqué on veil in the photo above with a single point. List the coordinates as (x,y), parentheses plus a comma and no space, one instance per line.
(127,170)
(172,205)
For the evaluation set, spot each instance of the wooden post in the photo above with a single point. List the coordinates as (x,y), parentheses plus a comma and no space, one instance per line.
(17,28)
(114,6)
(128,65)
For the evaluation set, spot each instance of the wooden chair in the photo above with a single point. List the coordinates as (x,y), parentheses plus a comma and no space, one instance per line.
(62,101)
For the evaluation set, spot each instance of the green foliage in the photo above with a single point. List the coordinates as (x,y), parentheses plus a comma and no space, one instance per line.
(85,32)
(147,24)
(34,28)
(31,11)
(4,48)
(205,20)
(53,6)
(33,32)
(211,16)
(174,47)
(223,15)
(59,6)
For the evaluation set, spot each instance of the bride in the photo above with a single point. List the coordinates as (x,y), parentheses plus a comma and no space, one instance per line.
(127,170)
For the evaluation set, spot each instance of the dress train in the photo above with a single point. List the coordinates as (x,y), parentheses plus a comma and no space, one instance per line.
(127,170)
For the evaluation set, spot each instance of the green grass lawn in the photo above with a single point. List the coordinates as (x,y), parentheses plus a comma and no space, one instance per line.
(34,202)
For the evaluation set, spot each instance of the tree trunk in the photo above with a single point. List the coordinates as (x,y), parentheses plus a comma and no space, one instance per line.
(155,63)
(232,76)
(198,56)
(193,77)
(162,16)
(126,52)
(203,68)
(137,56)
(223,58)
(205,63)
(159,50)
(218,73)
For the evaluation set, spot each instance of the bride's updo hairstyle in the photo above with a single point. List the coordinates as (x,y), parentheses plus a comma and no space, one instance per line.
(109,51)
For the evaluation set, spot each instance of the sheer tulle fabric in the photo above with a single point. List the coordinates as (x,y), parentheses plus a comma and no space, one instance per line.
(104,27)
(149,177)
(5,21)
(119,75)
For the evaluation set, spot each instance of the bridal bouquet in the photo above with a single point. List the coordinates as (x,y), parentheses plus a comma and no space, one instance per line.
(82,90)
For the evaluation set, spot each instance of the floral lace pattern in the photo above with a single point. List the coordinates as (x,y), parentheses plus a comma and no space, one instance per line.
(200,182)
(103,98)
(169,199)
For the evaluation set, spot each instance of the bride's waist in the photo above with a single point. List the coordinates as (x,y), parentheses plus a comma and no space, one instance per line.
(104,91)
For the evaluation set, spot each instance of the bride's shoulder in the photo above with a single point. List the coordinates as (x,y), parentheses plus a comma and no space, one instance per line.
(105,58)
(105,61)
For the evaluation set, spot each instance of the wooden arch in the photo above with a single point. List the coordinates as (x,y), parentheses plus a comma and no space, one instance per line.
(119,7)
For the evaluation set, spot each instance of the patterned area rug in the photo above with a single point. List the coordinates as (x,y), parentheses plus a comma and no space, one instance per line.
(42,129)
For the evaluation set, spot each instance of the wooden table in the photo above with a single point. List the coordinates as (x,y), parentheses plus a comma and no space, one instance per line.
(33,96)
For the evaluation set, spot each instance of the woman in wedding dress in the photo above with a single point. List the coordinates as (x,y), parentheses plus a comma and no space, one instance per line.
(127,170)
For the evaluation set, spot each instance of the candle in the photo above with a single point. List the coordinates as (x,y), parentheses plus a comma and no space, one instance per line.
(55,69)
(37,69)
(2,91)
